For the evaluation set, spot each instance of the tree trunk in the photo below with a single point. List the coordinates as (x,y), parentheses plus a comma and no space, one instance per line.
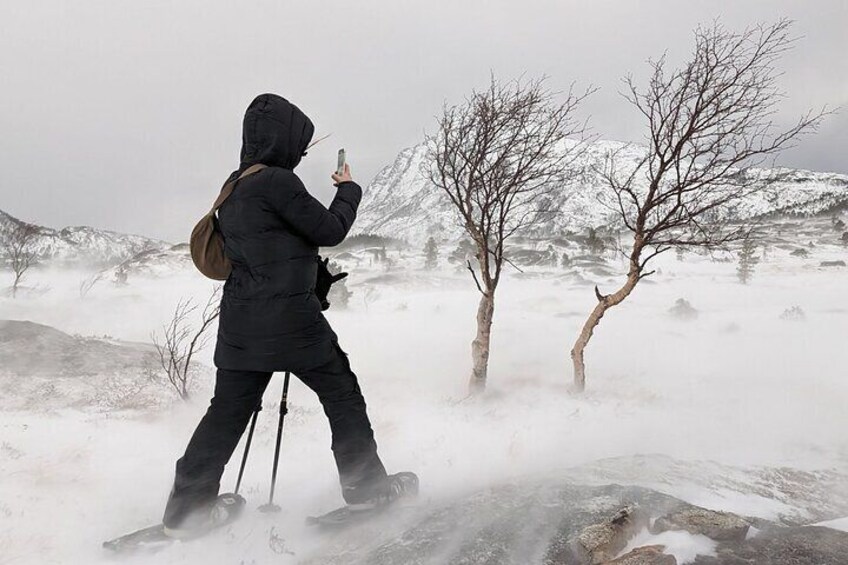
(15,284)
(480,345)
(604,304)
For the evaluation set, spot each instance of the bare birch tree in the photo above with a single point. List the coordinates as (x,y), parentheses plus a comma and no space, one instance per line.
(709,122)
(18,245)
(496,157)
(181,340)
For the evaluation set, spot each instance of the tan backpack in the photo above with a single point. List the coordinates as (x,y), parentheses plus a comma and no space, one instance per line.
(207,243)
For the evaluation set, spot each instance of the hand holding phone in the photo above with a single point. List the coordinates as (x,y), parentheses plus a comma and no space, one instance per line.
(341,162)
(342,173)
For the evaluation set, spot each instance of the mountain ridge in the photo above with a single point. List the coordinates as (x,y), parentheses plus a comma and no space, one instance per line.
(401,203)
(82,244)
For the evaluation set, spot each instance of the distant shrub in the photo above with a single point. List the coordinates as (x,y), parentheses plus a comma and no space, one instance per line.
(463,253)
(431,254)
(143,391)
(800,252)
(683,310)
(731,328)
(747,261)
(793,314)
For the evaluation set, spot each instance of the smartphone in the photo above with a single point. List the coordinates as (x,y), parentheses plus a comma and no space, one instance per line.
(341,163)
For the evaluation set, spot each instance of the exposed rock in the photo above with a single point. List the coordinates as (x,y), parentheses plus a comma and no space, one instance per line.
(601,542)
(838,263)
(719,526)
(645,555)
(544,522)
(807,545)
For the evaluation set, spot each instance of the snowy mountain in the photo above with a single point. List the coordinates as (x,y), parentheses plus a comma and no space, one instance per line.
(154,262)
(401,203)
(82,244)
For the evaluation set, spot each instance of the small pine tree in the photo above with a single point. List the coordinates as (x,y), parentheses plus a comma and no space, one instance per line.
(747,261)
(431,254)
(565,261)
(594,243)
(553,258)
(464,252)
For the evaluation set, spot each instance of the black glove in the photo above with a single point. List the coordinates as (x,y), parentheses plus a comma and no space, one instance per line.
(324,280)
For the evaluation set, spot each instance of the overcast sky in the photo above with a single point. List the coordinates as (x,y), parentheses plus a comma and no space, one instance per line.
(126,115)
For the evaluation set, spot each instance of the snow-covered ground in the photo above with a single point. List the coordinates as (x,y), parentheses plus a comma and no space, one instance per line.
(737,386)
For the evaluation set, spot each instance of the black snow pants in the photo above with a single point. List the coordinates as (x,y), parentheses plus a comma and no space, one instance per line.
(237,394)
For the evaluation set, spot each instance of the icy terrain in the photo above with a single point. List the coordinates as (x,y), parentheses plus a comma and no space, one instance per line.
(739,408)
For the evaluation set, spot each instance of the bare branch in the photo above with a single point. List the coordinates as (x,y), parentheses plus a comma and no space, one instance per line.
(474,275)
(709,122)
(181,341)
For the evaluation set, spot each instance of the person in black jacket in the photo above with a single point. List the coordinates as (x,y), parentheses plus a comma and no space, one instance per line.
(270,317)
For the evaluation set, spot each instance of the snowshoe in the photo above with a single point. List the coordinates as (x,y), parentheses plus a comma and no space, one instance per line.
(399,486)
(149,539)
(224,511)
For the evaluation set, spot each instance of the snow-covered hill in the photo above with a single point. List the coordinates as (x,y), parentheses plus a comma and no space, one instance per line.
(82,244)
(151,263)
(401,203)
(42,368)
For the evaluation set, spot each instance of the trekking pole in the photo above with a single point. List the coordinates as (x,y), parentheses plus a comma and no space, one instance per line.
(247,445)
(271,507)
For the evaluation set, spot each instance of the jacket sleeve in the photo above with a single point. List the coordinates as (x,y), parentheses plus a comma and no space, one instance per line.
(320,226)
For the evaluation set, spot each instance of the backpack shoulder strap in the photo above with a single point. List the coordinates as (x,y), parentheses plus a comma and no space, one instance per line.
(228,188)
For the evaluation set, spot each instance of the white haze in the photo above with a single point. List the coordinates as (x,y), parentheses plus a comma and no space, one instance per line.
(736,386)
(126,115)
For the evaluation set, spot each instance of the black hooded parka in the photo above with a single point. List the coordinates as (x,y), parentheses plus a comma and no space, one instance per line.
(270,318)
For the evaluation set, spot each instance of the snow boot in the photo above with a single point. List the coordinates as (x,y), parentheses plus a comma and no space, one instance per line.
(398,486)
(223,511)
